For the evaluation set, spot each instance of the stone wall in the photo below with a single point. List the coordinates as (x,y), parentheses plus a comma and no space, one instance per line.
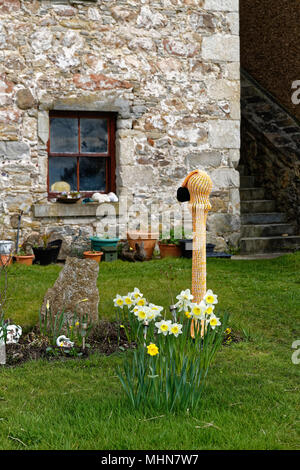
(169,68)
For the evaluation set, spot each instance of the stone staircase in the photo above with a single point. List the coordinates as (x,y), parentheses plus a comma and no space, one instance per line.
(263,229)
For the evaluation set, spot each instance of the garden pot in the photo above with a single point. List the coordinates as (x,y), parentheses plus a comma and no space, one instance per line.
(24,259)
(48,255)
(148,238)
(99,243)
(95,255)
(169,250)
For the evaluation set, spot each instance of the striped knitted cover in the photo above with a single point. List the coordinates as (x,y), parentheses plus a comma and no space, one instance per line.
(199,185)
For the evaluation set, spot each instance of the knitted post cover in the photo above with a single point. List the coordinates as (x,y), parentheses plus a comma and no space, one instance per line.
(199,185)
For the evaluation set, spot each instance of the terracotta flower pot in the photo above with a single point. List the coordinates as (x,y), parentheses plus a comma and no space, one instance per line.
(95,255)
(24,259)
(148,238)
(169,250)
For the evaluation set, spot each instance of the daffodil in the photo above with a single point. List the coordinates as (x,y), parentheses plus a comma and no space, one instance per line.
(163,326)
(141,302)
(136,293)
(210,297)
(154,311)
(119,301)
(152,349)
(77,323)
(175,329)
(188,314)
(214,321)
(209,310)
(184,299)
(141,314)
(197,310)
(128,300)
(47,305)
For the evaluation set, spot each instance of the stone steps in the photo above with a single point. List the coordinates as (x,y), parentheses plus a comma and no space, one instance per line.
(249,194)
(247,182)
(266,230)
(269,244)
(263,218)
(262,228)
(258,206)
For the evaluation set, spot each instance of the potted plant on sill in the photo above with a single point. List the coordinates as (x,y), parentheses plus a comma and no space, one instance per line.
(69,197)
(48,252)
(24,258)
(94,255)
(169,246)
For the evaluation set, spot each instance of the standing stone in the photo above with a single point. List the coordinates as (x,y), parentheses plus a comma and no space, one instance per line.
(76,281)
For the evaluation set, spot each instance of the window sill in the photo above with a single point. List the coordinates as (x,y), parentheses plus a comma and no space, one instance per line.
(57,209)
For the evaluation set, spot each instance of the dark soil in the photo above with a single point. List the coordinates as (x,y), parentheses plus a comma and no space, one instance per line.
(103,338)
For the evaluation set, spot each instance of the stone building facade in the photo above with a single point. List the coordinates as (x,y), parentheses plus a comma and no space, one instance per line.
(167,70)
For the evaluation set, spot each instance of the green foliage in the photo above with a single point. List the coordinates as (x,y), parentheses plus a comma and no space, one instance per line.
(169,238)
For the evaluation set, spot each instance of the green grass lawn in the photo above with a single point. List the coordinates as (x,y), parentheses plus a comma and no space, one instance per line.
(251,400)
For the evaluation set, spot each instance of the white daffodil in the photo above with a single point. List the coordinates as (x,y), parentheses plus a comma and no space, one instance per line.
(209,310)
(210,298)
(163,326)
(175,329)
(119,301)
(128,300)
(136,293)
(141,302)
(153,312)
(141,314)
(213,321)
(197,310)
(184,300)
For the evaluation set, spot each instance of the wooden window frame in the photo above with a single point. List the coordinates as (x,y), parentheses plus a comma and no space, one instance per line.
(110,156)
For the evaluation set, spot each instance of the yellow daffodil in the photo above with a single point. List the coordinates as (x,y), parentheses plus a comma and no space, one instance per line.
(152,349)
(77,323)
(188,314)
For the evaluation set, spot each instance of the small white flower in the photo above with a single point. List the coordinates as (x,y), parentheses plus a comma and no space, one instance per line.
(210,298)
(163,326)
(175,329)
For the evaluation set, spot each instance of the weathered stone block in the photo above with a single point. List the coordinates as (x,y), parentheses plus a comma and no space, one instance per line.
(76,281)
(221,47)
(224,134)
(14,150)
(222,5)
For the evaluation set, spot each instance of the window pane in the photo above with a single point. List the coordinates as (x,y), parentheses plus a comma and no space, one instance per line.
(63,169)
(63,135)
(93,135)
(92,174)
